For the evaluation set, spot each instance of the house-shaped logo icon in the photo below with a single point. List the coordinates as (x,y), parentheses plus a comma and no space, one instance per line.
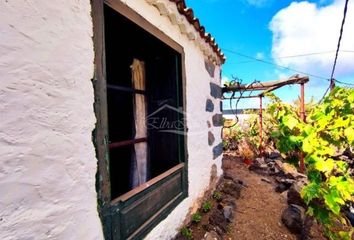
(167,119)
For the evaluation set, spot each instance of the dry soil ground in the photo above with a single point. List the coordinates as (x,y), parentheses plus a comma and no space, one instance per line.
(259,209)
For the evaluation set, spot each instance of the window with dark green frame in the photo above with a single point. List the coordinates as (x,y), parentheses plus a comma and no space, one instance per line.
(140,140)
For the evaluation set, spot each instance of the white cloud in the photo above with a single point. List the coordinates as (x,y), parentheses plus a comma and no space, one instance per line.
(304,27)
(282,74)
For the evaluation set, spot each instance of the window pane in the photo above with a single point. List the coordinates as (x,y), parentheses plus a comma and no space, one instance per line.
(120,115)
(165,121)
(120,165)
(126,41)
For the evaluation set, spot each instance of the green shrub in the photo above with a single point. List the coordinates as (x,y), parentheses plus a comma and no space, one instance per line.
(217,195)
(206,206)
(187,233)
(196,217)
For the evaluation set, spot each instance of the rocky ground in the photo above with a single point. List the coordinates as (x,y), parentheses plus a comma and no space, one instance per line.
(255,201)
(259,210)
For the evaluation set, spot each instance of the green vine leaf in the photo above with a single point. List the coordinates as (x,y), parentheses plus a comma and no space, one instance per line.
(349,134)
(345,235)
(311,191)
(334,201)
(290,121)
(329,130)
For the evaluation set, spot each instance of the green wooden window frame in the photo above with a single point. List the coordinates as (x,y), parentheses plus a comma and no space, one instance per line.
(133,214)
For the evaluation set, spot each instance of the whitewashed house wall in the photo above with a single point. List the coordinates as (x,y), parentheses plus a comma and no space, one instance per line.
(47,158)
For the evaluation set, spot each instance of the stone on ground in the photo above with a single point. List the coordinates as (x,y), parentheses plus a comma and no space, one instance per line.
(293,217)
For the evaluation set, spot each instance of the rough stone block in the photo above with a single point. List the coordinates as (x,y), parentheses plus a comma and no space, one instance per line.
(209,106)
(294,196)
(293,218)
(217,120)
(215,90)
(211,138)
(217,150)
(210,67)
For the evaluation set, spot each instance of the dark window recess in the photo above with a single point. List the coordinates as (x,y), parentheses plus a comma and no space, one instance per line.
(142,173)
(124,42)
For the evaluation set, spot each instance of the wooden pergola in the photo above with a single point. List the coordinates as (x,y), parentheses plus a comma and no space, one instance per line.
(267,87)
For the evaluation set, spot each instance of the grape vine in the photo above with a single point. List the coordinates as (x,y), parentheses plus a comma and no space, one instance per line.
(329,130)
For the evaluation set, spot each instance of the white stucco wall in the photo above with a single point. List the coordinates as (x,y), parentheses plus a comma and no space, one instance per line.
(47,159)
(47,163)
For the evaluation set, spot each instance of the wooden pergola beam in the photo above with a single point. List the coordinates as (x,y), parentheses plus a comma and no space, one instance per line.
(270,90)
(267,86)
(252,96)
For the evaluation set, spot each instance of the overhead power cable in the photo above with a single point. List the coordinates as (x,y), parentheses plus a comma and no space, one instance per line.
(339,40)
(298,55)
(274,64)
(306,54)
(325,93)
(332,80)
(345,83)
(291,69)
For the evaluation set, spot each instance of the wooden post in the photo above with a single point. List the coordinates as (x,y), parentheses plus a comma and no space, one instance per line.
(332,84)
(260,125)
(302,103)
(303,118)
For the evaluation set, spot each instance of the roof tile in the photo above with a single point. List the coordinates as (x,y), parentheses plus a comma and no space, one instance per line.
(189,14)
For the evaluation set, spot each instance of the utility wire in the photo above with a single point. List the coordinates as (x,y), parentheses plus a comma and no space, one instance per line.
(325,93)
(274,64)
(298,55)
(291,69)
(339,40)
(291,56)
(345,83)
(332,80)
(314,53)
(306,54)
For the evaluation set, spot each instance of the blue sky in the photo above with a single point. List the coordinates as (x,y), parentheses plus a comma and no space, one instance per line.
(270,30)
